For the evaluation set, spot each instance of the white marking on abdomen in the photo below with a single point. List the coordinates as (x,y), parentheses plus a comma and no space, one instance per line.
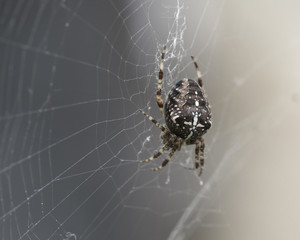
(195,120)
(200,125)
(187,123)
(191,133)
(174,118)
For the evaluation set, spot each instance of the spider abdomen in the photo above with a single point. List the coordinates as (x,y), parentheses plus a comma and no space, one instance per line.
(187,112)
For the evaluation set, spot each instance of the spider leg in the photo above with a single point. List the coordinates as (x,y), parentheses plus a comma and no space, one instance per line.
(160,77)
(166,161)
(156,155)
(197,162)
(201,155)
(163,129)
(198,72)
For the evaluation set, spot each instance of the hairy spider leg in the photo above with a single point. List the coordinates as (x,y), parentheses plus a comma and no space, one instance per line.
(197,161)
(166,161)
(163,129)
(201,155)
(160,77)
(156,155)
(198,72)
(199,148)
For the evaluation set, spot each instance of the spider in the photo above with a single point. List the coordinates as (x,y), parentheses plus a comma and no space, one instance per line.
(187,117)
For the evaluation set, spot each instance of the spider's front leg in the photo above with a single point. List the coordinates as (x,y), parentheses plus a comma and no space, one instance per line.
(156,155)
(174,143)
(199,148)
(197,162)
(202,146)
(166,161)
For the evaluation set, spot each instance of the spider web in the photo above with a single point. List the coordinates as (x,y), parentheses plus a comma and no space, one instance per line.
(74,75)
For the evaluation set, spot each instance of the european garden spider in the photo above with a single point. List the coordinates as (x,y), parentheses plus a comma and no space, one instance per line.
(187,116)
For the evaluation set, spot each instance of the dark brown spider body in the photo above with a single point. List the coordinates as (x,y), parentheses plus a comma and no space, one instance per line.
(187,116)
(187,112)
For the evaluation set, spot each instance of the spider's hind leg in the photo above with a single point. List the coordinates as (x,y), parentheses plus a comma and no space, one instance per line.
(162,128)
(160,77)
(199,75)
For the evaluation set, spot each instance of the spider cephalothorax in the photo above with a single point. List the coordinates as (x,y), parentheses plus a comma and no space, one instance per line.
(187,116)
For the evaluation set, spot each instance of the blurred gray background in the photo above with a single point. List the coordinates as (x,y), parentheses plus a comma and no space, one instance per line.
(73,75)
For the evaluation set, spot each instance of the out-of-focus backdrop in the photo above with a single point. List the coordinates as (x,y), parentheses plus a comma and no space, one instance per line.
(73,75)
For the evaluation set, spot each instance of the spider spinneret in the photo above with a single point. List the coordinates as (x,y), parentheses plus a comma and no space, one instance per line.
(187,116)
